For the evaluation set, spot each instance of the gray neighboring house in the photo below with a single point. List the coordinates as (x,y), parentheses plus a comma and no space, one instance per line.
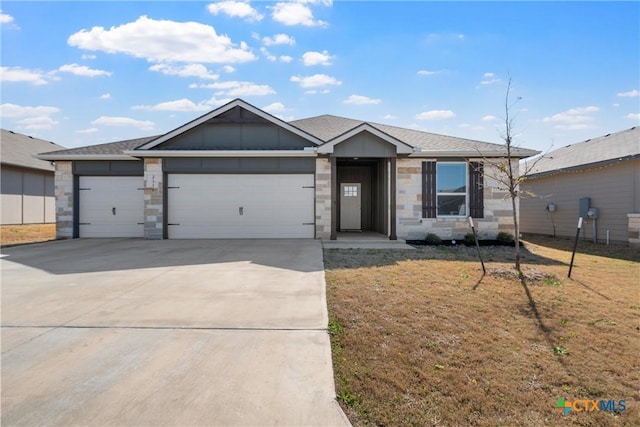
(239,172)
(27,184)
(606,170)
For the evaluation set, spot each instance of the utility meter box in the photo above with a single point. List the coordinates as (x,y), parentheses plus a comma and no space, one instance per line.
(585,204)
(592,213)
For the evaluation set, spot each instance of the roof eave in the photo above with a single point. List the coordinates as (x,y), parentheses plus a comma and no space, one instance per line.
(222,153)
(72,157)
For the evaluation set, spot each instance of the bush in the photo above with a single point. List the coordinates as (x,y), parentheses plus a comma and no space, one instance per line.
(469,239)
(432,239)
(505,238)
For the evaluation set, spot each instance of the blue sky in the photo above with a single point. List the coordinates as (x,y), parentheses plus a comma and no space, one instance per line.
(81,73)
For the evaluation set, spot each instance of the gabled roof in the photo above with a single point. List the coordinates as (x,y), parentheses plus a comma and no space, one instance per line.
(401,147)
(328,127)
(221,110)
(17,149)
(108,151)
(607,149)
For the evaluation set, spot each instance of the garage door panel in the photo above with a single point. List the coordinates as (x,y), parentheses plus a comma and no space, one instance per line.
(111,206)
(240,206)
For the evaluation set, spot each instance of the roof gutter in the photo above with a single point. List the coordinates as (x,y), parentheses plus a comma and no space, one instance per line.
(222,153)
(71,157)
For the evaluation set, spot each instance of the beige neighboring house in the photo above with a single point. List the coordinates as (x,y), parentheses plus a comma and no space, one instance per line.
(605,173)
(239,172)
(27,183)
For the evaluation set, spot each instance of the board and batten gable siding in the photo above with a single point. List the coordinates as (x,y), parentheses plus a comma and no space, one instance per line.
(28,196)
(236,136)
(365,145)
(613,189)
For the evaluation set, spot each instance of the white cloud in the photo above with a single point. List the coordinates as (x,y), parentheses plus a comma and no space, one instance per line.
(291,13)
(268,55)
(22,75)
(464,125)
(123,121)
(228,69)
(279,39)
(188,70)
(286,58)
(489,79)
(12,111)
(238,88)
(316,80)
(235,9)
(616,105)
(164,41)
(436,115)
(5,18)
(181,105)
(390,117)
(427,73)
(37,123)
(89,56)
(631,94)
(87,131)
(489,118)
(105,96)
(361,100)
(83,70)
(317,58)
(315,92)
(275,108)
(633,116)
(574,118)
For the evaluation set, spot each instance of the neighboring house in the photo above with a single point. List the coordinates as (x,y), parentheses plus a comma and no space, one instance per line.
(239,172)
(605,170)
(27,185)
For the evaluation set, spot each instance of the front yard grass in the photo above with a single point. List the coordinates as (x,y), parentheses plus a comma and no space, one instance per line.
(27,233)
(423,338)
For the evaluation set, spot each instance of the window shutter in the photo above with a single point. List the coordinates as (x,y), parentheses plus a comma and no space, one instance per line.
(476,192)
(429,189)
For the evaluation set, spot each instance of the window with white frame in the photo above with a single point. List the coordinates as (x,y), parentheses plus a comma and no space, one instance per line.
(451,185)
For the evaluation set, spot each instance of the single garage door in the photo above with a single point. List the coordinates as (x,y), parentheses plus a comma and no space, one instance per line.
(111,206)
(240,206)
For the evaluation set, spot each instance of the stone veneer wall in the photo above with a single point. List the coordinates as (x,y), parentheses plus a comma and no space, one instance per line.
(634,230)
(411,226)
(323,198)
(63,180)
(153,199)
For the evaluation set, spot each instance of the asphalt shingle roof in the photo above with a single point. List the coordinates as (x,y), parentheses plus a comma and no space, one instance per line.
(110,148)
(609,148)
(17,149)
(328,127)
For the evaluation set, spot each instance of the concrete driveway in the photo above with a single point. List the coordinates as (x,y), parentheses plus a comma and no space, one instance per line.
(173,332)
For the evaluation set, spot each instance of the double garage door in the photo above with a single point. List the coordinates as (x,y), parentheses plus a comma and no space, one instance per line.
(203,206)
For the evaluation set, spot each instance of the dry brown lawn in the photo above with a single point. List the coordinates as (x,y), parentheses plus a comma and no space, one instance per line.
(30,233)
(423,338)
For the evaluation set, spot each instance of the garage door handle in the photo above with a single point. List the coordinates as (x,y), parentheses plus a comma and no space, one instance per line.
(241,211)
(113,211)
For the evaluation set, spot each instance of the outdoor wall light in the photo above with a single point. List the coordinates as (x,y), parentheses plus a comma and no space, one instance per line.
(551,207)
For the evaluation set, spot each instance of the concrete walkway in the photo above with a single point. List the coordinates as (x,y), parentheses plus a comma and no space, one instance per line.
(190,333)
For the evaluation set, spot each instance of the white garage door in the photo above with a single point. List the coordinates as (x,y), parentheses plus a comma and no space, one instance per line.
(240,206)
(111,206)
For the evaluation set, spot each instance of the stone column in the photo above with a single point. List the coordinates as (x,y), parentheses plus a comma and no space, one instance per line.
(153,199)
(63,180)
(323,198)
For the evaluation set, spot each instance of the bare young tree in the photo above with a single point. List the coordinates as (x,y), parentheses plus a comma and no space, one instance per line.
(509,172)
